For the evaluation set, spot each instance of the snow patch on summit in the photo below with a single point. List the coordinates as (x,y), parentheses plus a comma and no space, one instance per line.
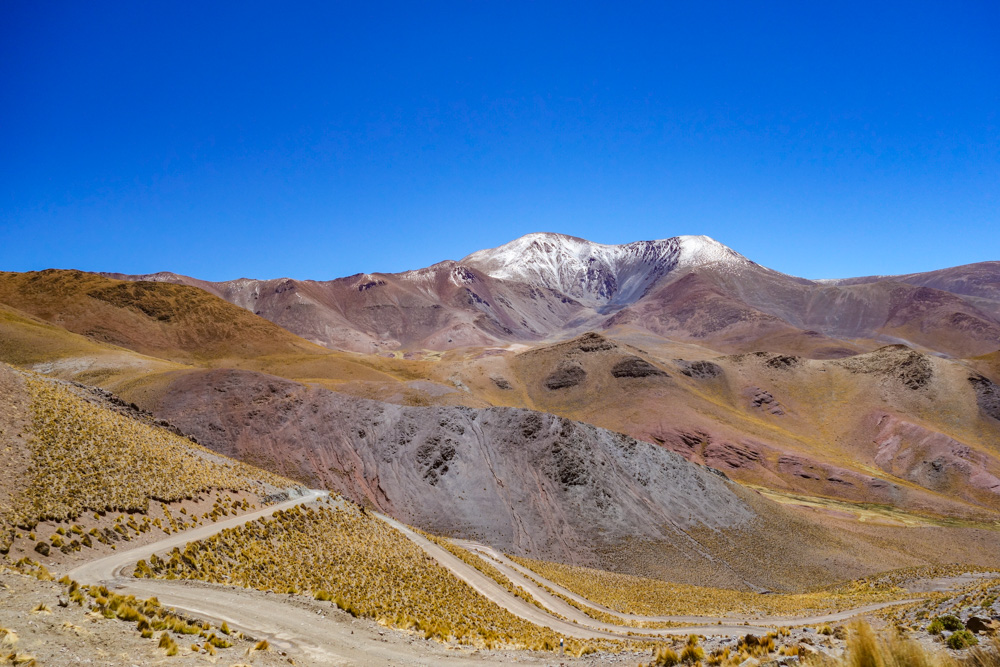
(594,273)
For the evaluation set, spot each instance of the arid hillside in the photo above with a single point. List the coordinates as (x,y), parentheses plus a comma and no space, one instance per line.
(73,454)
(481,406)
(174,322)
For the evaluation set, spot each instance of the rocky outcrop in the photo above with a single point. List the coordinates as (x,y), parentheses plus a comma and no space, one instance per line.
(501,383)
(566,375)
(765,401)
(898,362)
(987,395)
(634,367)
(701,370)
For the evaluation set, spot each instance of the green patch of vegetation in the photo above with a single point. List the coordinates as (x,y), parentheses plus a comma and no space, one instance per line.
(961,639)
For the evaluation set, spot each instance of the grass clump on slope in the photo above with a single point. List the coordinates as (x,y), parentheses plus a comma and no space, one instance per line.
(87,458)
(866,649)
(361,564)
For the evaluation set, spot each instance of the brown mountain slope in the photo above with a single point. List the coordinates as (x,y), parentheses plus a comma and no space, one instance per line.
(893,426)
(190,319)
(29,342)
(979,281)
(754,309)
(694,308)
(988,364)
(175,322)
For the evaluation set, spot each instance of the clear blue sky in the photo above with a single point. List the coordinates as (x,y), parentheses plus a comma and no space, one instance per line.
(319,140)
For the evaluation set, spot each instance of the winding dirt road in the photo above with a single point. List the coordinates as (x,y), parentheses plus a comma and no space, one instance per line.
(527,579)
(324,635)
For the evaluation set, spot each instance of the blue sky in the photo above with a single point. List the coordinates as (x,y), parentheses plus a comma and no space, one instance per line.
(222,140)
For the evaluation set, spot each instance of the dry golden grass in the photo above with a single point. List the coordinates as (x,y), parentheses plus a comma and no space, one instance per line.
(981,596)
(87,458)
(603,616)
(653,597)
(761,649)
(26,340)
(867,649)
(978,598)
(361,564)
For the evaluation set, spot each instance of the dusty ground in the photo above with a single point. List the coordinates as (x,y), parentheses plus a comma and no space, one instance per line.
(300,630)
(70,635)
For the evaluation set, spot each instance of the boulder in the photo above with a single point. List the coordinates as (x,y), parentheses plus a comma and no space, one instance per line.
(980,625)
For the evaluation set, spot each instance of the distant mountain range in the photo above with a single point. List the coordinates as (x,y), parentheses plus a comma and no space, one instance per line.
(549,287)
(521,395)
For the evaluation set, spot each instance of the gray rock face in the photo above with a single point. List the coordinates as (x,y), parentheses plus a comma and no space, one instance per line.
(524,481)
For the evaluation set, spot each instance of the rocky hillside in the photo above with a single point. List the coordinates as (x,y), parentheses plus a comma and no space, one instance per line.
(892,426)
(524,480)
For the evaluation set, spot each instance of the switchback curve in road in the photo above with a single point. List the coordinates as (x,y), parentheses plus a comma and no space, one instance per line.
(527,579)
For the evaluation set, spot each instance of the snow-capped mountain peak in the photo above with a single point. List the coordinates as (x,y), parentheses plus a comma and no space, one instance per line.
(594,273)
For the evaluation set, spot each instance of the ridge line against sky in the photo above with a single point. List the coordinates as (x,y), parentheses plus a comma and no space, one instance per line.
(320,140)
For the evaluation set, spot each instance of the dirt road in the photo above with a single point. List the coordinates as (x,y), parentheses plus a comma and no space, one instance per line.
(319,633)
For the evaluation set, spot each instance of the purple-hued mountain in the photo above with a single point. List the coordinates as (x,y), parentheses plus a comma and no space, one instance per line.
(687,288)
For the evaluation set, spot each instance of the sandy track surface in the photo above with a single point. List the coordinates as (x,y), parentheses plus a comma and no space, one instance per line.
(576,623)
(321,634)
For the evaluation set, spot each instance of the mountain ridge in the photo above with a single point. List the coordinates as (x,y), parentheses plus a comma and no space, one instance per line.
(546,286)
